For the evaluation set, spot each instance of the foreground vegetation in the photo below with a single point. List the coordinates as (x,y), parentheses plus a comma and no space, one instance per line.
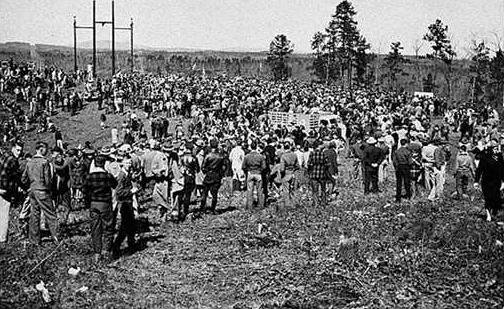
(356,252)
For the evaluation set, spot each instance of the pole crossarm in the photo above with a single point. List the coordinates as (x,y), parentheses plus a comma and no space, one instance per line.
(93,27)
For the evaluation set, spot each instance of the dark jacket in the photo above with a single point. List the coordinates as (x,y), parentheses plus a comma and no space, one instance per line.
(332,160)
(124,187)
(61,177)
(490,170)
(372,156)
(402,156)
(213,167)
(9,176)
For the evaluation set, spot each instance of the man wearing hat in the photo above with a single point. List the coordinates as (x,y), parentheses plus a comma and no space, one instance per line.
(159,169)
(372,158)
(190,167)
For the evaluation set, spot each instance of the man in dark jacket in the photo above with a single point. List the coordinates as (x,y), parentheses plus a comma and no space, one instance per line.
(190,169)
(490,172)
(213,167)
(269,152)
(372,158)
(402,160)
(9,184)
(98,195)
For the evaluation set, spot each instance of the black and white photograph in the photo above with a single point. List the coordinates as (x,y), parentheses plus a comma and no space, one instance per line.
(251,154)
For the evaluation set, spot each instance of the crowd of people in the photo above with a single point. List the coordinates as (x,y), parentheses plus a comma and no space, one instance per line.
(204,130)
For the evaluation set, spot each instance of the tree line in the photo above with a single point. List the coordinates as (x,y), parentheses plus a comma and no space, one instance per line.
(341,55)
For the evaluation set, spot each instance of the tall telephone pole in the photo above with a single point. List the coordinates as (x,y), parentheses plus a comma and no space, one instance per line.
(114,28)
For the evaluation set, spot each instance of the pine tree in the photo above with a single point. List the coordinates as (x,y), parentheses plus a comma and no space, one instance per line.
(480,70)
(341,48)
(393,62)
(442,50)
(280,49)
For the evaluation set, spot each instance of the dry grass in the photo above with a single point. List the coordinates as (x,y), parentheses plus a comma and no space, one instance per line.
(356,252)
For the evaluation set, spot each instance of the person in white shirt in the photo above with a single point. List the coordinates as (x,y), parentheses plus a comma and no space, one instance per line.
(236,157)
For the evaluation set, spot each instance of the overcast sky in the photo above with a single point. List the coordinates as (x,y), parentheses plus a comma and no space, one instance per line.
(247,24)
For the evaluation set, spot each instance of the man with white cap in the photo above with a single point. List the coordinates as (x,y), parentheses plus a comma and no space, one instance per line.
(373,156)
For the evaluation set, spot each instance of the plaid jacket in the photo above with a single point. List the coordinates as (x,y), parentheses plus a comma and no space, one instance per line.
(98,187)
(318,165)
(9,175)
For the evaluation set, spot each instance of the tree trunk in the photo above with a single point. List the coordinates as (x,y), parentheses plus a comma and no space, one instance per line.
(349,73)
(473,89)
(327,68)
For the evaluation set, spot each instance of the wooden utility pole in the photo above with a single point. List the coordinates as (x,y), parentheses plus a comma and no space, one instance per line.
(114,28)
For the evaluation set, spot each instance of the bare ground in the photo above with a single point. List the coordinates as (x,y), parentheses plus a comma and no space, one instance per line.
(356,252)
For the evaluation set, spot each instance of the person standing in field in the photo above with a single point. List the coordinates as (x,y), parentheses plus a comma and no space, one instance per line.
(213,167)
(464,171)
(9,185)
(38,176)
(98,195)
(317,167)
(254,164)
(490,173)
(372,158)
(403,160)
(124,196)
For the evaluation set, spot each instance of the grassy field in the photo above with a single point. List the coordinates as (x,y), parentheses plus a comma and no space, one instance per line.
(356,252)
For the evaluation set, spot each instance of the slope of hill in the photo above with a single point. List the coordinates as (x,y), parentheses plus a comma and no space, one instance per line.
(355,252)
